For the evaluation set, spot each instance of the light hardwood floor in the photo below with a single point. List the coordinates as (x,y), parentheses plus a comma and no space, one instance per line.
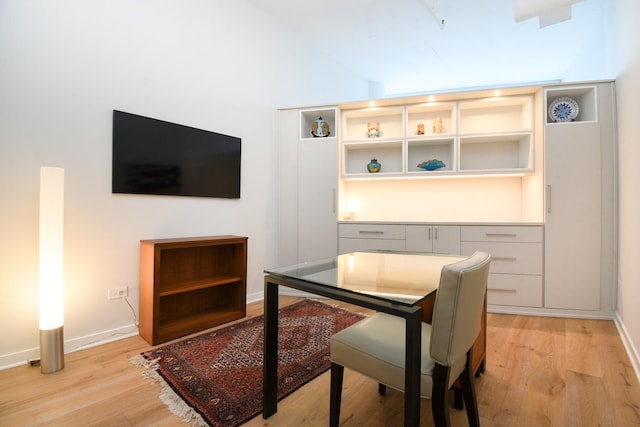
(540,372)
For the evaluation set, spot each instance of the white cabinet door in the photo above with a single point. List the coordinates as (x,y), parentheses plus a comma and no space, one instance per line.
(446,239)
(572,216)
(443,239)
(288,187)
(307,179)
(317,199)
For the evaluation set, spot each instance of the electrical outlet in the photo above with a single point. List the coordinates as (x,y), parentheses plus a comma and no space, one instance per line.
(117,293)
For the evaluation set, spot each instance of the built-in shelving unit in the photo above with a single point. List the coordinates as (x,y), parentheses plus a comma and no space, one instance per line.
(308,117)
(191,284)
(585,96)
(490,136)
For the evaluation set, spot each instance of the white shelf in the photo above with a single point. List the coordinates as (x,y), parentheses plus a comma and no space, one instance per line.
(501,114)
(507,152)
(390,120)
(358,155)
(307,117)
(585,96)
(490,136)
(420,150)
(430,115)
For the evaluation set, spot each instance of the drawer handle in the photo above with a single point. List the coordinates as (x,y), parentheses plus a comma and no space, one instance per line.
(371,232)
(508,291)
(501,234)
(504,258)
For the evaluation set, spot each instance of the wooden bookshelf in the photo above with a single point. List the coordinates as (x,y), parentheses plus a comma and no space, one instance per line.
(191,284)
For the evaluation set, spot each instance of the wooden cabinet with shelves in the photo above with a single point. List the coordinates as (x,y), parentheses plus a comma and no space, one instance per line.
(191,284)
(490,136)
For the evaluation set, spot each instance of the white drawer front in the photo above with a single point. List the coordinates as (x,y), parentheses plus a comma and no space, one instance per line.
(511,258)
(372,231)
(514,289)
(354,245)
(481,233)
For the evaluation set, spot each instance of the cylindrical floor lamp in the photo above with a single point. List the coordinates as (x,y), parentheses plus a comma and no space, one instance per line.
(51,257)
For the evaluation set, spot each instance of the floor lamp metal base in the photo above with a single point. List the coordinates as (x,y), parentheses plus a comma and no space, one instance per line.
(51,350)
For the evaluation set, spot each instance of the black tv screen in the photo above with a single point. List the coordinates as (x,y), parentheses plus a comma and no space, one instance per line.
(152,156)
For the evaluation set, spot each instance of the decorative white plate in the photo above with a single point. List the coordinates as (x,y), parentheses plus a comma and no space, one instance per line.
(563,109)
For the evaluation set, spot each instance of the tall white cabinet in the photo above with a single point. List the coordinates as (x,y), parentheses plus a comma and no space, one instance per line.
(308,180)
(580,202)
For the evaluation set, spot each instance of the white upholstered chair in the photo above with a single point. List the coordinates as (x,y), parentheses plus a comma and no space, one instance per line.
(375,346)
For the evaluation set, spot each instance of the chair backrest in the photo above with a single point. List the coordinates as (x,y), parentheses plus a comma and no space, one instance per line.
(458,308)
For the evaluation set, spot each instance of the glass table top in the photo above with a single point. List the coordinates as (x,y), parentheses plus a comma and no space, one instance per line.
(403,277)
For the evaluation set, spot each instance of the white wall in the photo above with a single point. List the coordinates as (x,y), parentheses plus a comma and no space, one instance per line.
(485,199)
(628,93)
(65,65)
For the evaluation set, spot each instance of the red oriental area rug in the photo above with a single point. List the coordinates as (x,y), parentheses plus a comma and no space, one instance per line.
(215,378)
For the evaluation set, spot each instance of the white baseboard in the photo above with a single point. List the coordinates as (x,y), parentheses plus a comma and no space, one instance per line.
(74,344)
(628,345)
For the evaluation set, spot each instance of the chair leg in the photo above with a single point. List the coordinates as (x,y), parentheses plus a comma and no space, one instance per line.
(458,403)
(337,373)
(469,393)
(382,389)
(440,396)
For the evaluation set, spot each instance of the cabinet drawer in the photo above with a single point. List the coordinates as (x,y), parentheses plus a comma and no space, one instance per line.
(510,258)
(372,231)
(354,245)
(501,234)
(514,289)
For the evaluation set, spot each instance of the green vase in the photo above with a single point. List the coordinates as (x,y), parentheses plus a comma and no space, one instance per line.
(374,166)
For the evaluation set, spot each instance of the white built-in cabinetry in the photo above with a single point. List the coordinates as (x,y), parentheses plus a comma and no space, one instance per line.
(481,136)
(355,236)
(516,275)
(308,180)
(553,236)
(443,239)
(516,272)
(580,205)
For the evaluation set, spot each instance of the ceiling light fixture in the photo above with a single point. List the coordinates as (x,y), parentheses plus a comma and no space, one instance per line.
(549,12)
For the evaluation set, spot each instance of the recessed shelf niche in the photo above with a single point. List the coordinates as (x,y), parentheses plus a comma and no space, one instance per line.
(585,96)
(307,117)
(496,152)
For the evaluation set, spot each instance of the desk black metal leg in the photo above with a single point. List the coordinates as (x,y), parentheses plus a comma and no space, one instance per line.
(270,363)
(412,371)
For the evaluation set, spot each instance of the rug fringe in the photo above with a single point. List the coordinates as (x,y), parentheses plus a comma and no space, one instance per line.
(174,403)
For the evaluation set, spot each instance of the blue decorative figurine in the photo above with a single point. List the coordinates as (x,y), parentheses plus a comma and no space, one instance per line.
(431,165)
(374,166)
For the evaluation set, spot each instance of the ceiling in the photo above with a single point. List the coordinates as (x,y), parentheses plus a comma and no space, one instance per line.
(402,46)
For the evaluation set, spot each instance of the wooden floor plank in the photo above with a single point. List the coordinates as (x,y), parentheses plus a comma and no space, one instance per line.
(540,372)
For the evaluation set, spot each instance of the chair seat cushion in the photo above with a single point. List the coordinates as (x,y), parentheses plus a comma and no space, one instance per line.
(375,347)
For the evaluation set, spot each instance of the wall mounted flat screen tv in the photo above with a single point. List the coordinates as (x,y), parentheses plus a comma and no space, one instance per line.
(152,156)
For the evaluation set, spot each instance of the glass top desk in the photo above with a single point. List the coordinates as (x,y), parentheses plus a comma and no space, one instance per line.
(390,282)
